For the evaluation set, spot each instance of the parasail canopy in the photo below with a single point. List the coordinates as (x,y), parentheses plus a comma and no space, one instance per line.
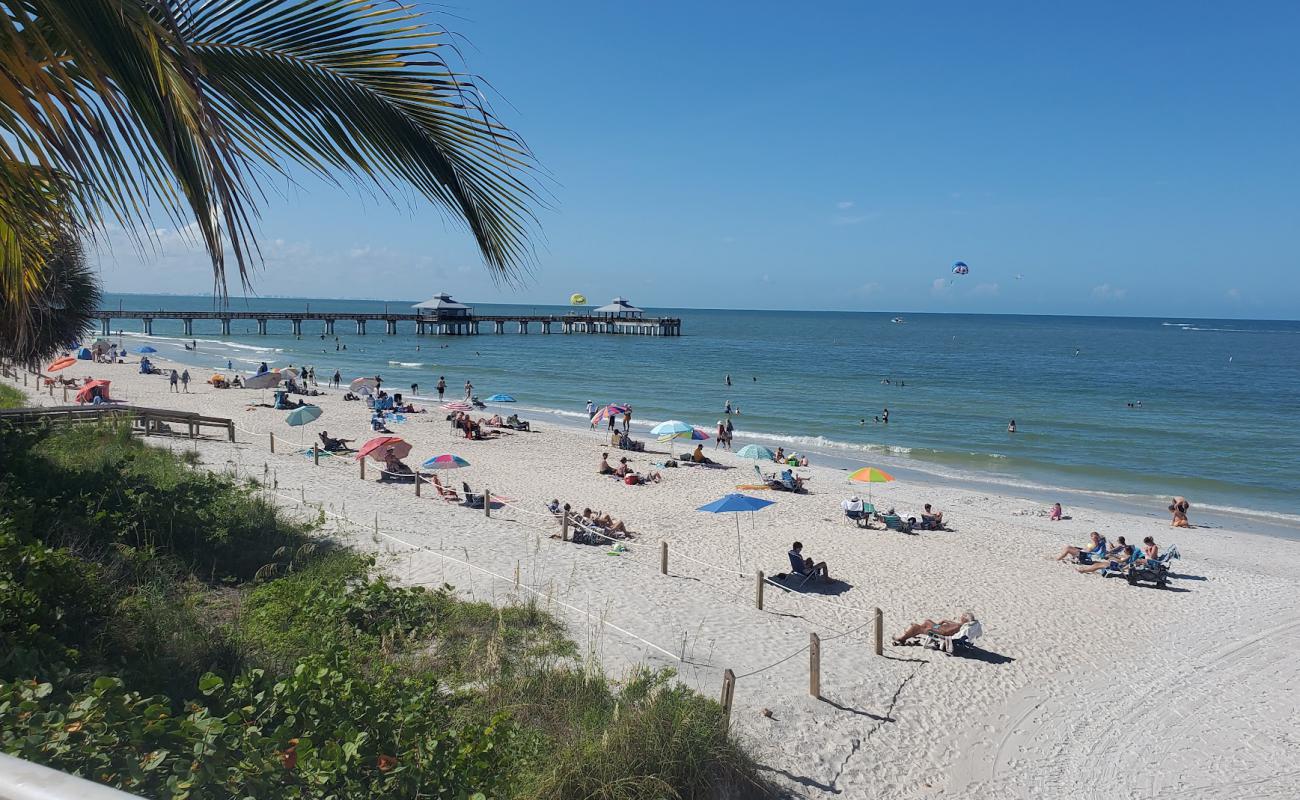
(960,268)
(578,299)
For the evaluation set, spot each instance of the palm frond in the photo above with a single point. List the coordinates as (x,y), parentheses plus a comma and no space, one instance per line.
(352,87)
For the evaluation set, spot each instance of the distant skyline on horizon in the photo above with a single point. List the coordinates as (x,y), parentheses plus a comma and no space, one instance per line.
(1085,161)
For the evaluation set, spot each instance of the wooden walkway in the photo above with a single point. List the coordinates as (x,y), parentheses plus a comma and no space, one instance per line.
(444,324)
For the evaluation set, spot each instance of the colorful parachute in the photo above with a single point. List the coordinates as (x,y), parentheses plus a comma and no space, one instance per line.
(578,299)
(960,268)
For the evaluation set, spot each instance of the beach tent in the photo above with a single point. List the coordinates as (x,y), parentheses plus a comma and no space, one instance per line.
(87,391)
(84,354)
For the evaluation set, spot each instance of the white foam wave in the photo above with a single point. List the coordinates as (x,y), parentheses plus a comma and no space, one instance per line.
(405,363)
(186,339)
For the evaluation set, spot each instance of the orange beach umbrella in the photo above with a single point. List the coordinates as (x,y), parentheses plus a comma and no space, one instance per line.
(61,363)
(378,446)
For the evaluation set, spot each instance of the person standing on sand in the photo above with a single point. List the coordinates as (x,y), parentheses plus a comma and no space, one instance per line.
(627,420)
(730,430)
(175,379)
(721,437)
(591,413)
(185,381)
(442,387)
(469,391)
(338,379)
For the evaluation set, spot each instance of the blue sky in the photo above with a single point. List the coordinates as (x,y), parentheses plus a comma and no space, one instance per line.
(1123,158)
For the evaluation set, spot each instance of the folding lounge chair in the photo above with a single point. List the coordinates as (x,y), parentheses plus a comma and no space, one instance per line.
(797,569)
(1132,559)
(862,518)
(895,523)
(964,637)
(472,499)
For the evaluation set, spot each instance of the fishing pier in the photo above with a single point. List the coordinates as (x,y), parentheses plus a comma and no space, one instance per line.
(439,316)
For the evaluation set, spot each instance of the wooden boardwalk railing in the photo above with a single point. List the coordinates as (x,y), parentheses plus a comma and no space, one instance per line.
(144,420)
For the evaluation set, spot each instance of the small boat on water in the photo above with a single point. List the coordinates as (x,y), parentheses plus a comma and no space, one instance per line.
(898,320)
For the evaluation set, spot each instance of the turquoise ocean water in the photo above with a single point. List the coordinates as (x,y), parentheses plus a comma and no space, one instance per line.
(1217,422)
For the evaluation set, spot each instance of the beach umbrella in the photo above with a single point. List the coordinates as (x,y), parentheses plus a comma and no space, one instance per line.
(698,434)
(734,503)
(611,410)
(500,398)
(264,381)
(671,429)
(870,475)
(376,447)
(301,416)
(289,372)
(85,395)
(61,363)
(145,349)
(357,383)
(457,406)
(445,461)
(757,452)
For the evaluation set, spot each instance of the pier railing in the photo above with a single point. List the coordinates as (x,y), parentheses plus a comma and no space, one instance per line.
(437,324)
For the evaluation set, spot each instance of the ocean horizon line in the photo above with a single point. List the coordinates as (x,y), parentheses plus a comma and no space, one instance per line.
(711,309)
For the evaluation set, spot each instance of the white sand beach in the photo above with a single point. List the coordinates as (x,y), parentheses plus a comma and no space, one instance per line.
(1083,687)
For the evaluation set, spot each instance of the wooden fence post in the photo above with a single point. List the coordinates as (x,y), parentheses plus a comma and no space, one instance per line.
(814,665)
(417,483)
(663,557)
(230,430)
(728,689)
(272,435)
(758,590)
(147,426)
(362,462)
(487,503)
(564,526)
(65,395)
(880,632)
(315,457)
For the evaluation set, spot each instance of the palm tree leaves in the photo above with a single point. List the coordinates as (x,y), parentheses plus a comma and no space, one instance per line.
(355,87)
(59,309)
(135,107)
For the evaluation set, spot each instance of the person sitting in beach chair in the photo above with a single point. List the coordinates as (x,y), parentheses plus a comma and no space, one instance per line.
(804,567)
(1095,549)
(493,421)
(394,468)
(931,520)
(790,482)
(1116,563)
(377,423)
(514,423)
(332,445)
(894,522)
(942,628)
(626,442)
(856,510)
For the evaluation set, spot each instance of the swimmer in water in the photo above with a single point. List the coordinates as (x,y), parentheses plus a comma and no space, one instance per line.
(1011,426)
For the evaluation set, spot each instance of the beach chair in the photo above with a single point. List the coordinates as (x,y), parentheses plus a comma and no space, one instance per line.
(964,638)
(762,477)
(797,569)
(1123,568)
(862,518)
(894,522)
(447,493)
(472,500)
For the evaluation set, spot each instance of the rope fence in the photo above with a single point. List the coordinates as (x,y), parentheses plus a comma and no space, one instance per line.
(546,522)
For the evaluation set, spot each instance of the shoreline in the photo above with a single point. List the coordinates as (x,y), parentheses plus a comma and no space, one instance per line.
(839,454)
(913,723)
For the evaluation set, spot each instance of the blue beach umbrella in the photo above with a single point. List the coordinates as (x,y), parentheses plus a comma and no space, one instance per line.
(500,398)
(734,503)
(145,349)
(445,461)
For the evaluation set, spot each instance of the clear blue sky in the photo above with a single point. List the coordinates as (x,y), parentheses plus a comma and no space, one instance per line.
(1124,158)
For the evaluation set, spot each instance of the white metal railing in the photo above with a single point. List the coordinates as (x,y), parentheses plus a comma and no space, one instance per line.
(23,780)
